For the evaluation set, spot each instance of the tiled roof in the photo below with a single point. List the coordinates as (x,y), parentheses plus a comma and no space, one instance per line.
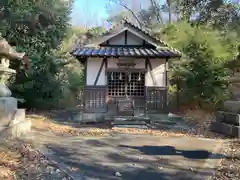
(116,28)
(147,33)
(91,47)
(124,52)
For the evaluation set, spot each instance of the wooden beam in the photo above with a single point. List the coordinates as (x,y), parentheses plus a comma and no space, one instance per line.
(126,69)
(129,46)
(146,64)
(106,63)
(94,87)
(99,72)
(125,35)
(144,43)
(151,74)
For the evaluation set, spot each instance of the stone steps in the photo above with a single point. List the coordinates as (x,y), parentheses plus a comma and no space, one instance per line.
(131,126)
(128,122)
(226,129)
(227,123)
(127,118)
(232,106)
(228,117)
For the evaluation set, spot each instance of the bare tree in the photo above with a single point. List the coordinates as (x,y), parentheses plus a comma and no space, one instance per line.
(85,15)
(169,3)
(155,5)
(123,4)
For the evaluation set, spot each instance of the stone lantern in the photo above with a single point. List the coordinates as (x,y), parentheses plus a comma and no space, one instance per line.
(12,119)
(7,53)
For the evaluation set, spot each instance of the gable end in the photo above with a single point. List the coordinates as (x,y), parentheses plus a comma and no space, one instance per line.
(127,39)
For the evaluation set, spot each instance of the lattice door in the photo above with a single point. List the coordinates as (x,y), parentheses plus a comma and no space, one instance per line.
(123,84)
(125,87)
(116,84)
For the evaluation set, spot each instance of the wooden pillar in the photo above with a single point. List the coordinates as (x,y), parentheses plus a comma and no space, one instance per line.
(145,93)
(166,83)
(85,81)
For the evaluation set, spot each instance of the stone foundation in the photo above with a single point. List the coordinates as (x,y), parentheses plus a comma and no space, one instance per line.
(227,123)
(232,106)
(12,120)
(89,117)
(226,129)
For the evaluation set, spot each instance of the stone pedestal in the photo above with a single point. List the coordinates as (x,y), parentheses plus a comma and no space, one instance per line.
(12,119)
(8,107)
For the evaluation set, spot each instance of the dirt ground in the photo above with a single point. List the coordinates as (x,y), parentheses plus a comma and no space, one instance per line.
(27,162)
(230,165)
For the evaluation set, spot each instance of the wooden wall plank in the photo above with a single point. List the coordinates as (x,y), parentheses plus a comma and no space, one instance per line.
(151,73)
(99,71)
(95,99)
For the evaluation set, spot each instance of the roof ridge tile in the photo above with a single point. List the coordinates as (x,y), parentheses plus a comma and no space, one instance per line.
(124,52)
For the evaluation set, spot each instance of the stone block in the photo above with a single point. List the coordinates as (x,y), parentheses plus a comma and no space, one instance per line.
(226,129)
(8,106)
(228,118)
(232,106)
(20,128)
(19,116)
(78,117)
(17,130)
(139,112)
(89,117)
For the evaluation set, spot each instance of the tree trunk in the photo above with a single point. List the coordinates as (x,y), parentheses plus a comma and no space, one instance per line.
(128,9)
(169,11)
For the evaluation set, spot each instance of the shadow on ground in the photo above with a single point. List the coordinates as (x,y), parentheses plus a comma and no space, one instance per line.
(172,151)
(128,162)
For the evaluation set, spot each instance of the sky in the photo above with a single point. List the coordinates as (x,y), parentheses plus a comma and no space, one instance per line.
(89,12)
